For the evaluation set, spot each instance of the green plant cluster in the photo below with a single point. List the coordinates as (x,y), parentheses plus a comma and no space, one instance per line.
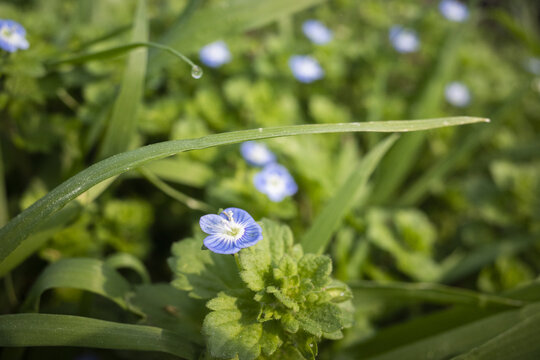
(276,302)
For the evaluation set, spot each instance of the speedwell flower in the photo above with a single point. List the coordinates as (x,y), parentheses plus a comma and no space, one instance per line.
(454,10)
(12,36)
(457,94)
(317,32)
(230,231)
(276,182)
(305,68)
(215,54)
(257,154)
(404,40)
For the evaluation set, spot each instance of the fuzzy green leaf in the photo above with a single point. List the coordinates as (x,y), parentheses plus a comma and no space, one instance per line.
(257,261)
(317,268)
(232,328)
(321,320)
(201,272)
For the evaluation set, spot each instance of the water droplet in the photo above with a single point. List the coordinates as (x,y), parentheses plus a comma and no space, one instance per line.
(260,130)
(196,72)
(310,345)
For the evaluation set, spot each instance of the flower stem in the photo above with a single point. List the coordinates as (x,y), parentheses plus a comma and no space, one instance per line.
(238,265)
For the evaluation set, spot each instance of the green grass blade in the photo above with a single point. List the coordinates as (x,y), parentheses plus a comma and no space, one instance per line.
(520,342)
(123,123)
(83,274)
(20,227)
(22,330)
(208,23)
(35,241)
(128,261)
(325,224)
(430,293)
(421,328)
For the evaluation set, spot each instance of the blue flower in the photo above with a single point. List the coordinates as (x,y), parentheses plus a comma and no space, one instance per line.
(215,54)
(230,231)
(257,154)
(457,94)
(12,36)
(404,40)
(454,10)
(305,68)
(316,32)
(276,182)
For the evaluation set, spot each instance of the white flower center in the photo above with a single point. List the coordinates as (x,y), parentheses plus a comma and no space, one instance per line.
(232,229)
(275,184)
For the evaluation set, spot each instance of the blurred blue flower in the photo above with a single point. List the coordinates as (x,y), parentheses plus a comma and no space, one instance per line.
(454,10)
(316,32)
(305,68)
(215,54)
(230,231)
(12,36)
(257,154)
(404,40)
(457,94)
(276,182)
(532,65)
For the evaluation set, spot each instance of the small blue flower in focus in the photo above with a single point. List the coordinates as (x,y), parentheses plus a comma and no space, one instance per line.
(404,40)
(215,54)
(305,68)
(12,36)
(230,231)
(257,154)
(276,182)
(317,32)
(457,94)
(454,10)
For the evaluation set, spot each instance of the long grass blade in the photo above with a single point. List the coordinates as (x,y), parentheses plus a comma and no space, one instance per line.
(22,330)
(18,229)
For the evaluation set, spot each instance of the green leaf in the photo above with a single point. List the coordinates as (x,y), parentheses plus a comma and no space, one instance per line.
(22,330)
(232,328)
(321,320)
(169,308)
(520,342)
(83,274)
(431,293)
(35,241)
(18,229)
(317,268)
(123,123)
(258,261)
(128,261)
(201,272)
(208,24)
(317,238)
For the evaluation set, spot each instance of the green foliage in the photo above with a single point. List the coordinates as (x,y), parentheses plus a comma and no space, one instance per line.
(281,298)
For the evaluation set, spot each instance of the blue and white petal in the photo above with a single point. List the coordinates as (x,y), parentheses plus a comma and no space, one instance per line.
(317,32)
(256,153)
(305,68)
(404,40)
(12,36)
(457,94)
(276,182)
(454,10)
(230,231)
(215,54)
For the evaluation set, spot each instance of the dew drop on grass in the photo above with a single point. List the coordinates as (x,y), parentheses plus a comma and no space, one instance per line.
(196,72)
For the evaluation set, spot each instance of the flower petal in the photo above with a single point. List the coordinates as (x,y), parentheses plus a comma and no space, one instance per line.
(220,245)
(213,224)
(252,235)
